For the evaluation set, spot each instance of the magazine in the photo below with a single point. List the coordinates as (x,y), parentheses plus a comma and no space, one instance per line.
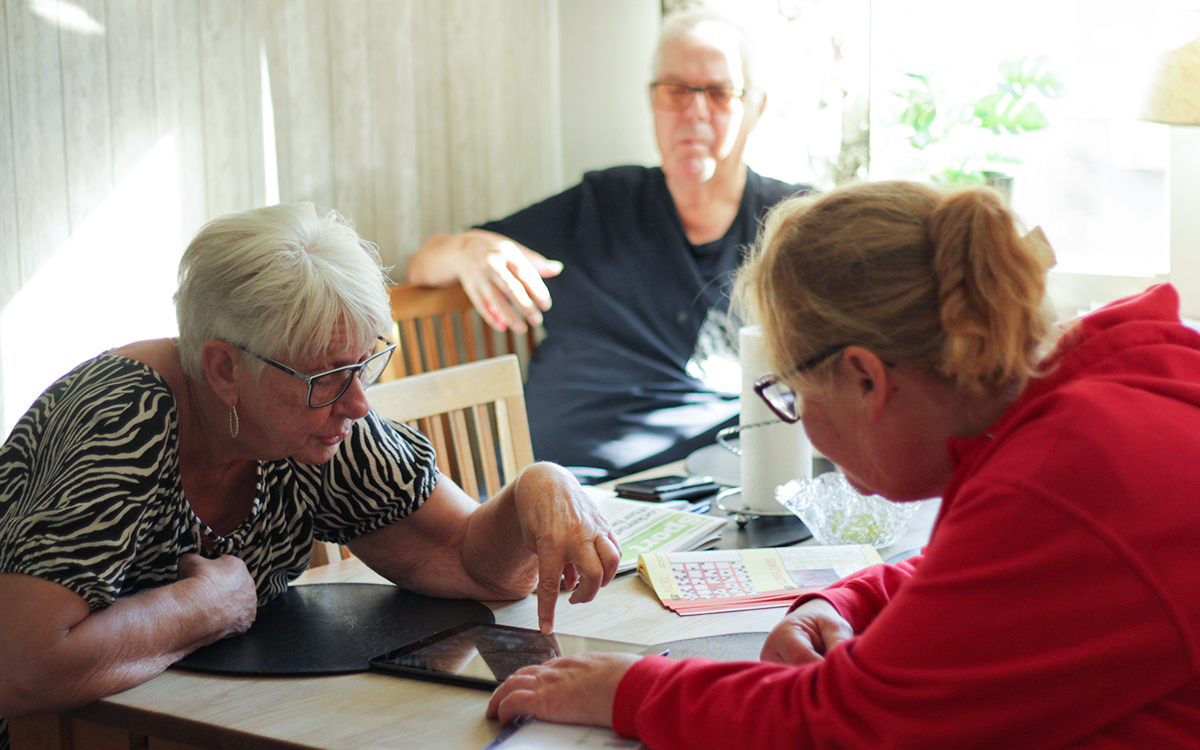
(690,583)
(644,527)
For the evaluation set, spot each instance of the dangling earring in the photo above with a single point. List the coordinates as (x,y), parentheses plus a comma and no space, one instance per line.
(235,425)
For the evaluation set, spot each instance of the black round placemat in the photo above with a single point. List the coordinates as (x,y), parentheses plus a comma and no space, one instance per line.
(331,628)
(730,647)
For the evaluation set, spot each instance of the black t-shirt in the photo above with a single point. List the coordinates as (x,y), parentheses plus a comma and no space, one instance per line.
(610,386)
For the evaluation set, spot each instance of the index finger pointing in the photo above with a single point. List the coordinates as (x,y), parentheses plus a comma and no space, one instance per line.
(550,573)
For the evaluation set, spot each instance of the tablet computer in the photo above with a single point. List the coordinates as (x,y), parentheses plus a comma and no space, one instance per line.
(482,655)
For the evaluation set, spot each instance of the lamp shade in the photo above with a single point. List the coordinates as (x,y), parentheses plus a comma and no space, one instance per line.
(1175,98)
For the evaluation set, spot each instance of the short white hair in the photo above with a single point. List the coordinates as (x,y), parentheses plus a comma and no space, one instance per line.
(279,280)
(686,23)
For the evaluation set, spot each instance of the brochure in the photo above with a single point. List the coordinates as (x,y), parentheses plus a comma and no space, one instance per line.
(644,527)
(691,583)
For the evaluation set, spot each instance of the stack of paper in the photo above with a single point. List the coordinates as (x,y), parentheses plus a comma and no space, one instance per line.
(644,527)
(691,583)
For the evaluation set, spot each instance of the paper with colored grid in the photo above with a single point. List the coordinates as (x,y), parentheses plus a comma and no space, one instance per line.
(731,580)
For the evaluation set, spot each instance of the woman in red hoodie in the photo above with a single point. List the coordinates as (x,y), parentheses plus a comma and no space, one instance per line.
(1058,601)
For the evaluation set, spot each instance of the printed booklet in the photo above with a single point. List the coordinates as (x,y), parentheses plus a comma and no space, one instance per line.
(645,527)
(691,583)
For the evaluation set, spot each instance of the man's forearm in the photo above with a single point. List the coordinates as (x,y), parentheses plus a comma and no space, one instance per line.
(431,265)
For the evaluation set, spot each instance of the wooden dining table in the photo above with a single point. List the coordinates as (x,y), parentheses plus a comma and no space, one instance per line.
(183,710)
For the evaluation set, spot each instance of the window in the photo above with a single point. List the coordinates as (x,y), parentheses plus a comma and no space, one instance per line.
(1094,178)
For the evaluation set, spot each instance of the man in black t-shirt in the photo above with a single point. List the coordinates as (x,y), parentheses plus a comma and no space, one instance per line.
(638,367)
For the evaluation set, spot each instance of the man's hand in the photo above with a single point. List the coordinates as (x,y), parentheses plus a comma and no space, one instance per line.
(806,634)
(502,278)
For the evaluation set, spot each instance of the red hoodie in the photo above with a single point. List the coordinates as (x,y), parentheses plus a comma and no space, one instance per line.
(1057,603)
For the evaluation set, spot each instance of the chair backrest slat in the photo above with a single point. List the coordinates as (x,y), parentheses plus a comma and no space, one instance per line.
(485,425)
(464,393)
(469,321)
(436,327)
(465,453)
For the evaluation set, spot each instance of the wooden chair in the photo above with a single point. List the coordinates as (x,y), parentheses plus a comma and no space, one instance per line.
(438,327)
(474,414)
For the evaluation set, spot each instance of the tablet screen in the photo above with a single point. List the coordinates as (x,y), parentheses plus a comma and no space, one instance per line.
(483,655)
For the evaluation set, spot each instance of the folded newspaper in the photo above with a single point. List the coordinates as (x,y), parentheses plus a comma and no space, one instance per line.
(691,583)
(644,527)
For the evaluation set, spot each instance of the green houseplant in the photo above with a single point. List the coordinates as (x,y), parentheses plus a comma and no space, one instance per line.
(970,142)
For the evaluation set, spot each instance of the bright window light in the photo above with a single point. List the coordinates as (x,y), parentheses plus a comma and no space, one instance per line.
(110,284)
(1093,178)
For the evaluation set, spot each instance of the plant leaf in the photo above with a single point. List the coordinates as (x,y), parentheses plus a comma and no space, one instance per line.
(987,111)
(1029,118)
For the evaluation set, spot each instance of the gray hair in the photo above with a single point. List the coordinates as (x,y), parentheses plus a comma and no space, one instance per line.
(682,24)
(279,280)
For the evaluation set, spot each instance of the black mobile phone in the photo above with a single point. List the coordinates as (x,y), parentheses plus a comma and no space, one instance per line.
(674,487)
(482,655)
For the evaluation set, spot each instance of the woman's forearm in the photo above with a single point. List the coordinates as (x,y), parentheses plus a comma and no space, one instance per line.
(495,551)
(451,547)
(541,529)
(59,655)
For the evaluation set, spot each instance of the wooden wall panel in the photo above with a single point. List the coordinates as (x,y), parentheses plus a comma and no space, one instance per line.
(410,117)
(43,221)
(87,117)
(432,109)
(501,115)
(130,35)
(275,44)
(536,75)
(394,130)
(10,269)
(303,115)
(255,21)
(351,102)
(226,136)
(178,97)
(540,52)
(472,54)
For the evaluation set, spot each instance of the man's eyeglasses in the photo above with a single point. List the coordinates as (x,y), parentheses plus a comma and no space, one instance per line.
(779,396)
(677,97)
(326,387)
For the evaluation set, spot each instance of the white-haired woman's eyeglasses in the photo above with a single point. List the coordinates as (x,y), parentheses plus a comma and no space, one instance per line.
(326,387)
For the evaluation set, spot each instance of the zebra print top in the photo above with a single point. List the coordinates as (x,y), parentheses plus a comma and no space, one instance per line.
(91,498)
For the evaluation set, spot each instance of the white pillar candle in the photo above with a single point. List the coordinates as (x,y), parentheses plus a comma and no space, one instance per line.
(773,454)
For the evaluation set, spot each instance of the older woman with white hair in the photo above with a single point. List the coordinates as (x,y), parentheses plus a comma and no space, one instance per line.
(154,496)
